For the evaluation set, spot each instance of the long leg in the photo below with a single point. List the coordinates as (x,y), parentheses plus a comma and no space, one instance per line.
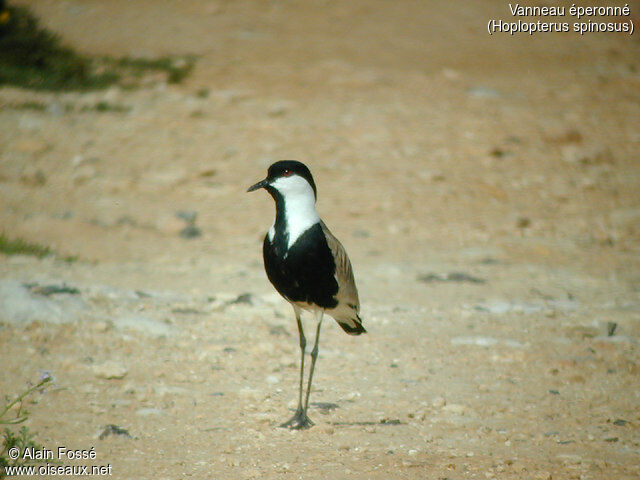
(314,356)
(303,346)
(300,419)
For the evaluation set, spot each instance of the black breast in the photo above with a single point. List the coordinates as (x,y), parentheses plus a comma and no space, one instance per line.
(304,272)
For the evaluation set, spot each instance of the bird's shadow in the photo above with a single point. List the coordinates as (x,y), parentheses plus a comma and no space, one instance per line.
(327,407)
(365,423)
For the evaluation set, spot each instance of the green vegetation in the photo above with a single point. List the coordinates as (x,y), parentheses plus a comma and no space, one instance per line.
(100,107)
(39,106)
(176,68)
(106,107)
(33,57)
(13,413)
(21,247)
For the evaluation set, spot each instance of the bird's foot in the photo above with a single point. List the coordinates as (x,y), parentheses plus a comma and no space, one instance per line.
(299,421)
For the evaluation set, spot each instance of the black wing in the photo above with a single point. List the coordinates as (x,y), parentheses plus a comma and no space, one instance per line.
(306,271)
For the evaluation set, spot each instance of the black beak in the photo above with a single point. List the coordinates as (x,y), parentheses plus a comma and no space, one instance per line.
(258,185)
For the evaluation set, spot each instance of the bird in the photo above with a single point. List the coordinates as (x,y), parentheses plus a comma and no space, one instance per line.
(307,265)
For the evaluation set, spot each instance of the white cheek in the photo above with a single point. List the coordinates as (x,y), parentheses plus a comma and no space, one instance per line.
(300,205)
(293,186)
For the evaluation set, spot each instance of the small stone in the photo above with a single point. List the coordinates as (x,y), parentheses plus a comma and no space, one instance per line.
(480,341)
(457,277)
(188,216)
(113,430)
(438,402)
(244,299)
(230,152)
(542,475)
(33,177)
(480,91)
(144,412)
(250,393)
(272,379)
(47,290)
(278,331)
(110,370)
(277,110)
(570,459)
(455,408)
(190,231)
(145,325)
(83,174)
(497,152)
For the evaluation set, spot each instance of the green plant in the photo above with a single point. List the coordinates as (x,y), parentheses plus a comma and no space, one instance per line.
(34,57)
(176,68)
(21,247)
(18,246)
(14,413)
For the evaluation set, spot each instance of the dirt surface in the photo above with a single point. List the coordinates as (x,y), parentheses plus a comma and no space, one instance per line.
(485,187)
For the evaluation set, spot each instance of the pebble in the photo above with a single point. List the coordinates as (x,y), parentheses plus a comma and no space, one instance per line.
(542,475)
(143,324)
(272,379)
(188,216)
(474,340)
(250,393)
(457,277)
(278,109)
(244,299)
(190,231)
(33,177)
(438,402)
(83,174)
(483,92)
(569,459)
(456,409)
(110,370)
(112,430)
(144,412)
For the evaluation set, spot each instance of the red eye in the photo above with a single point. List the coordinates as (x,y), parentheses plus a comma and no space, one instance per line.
(287,173)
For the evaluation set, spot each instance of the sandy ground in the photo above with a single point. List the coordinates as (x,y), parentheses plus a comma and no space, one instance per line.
(437,149)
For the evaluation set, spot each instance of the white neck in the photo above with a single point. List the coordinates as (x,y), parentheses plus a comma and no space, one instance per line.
(299,206)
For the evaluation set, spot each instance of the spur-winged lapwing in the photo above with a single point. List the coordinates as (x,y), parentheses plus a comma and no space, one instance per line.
(306,264)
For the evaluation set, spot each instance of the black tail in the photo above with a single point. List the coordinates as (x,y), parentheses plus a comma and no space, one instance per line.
(353,326)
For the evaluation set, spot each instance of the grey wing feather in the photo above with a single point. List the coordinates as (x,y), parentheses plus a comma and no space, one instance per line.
(347,291)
